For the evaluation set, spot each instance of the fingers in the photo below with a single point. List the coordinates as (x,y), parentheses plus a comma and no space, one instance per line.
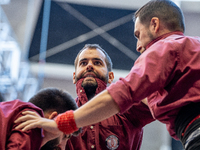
(28,115)
(27,125)
(28,121)
(32,120)
(33,113)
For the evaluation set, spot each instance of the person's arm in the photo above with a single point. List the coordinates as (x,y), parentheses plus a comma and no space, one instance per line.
(97,109)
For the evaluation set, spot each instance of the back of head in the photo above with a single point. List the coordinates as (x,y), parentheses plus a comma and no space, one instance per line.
(167,11)
(53,99)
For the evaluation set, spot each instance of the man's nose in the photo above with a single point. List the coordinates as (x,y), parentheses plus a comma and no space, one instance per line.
(90,66)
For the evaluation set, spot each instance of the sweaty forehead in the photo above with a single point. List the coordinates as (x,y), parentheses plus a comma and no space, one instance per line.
(92,54)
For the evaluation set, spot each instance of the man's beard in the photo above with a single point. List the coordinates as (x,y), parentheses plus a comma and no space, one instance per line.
(150,35)
(90,86)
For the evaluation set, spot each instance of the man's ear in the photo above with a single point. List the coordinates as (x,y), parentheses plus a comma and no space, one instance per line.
(53,114)
(110,77)
(154,25)
(74,76)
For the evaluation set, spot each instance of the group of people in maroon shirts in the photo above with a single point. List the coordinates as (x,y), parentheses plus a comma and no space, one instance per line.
(163,85)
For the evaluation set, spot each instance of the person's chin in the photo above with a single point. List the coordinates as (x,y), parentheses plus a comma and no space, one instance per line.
(89,82)
(89,79)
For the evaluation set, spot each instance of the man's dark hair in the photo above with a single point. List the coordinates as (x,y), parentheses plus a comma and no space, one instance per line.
(167,11)
(53,99)
(95,46)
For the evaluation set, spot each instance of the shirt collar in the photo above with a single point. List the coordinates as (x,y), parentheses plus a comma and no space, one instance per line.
(163,37)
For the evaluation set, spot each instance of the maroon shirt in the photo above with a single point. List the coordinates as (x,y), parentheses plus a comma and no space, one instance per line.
(120,132)
(168,73)
(11,138)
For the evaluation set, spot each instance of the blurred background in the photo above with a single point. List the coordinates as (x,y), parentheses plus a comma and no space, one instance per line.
(39,41)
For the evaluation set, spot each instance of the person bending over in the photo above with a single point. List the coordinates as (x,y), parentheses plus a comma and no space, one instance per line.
(167,73)
(47,103)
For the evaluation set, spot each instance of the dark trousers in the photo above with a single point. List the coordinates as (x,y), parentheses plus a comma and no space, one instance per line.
(191,137)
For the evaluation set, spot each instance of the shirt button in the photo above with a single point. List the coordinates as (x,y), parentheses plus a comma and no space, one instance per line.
(92,146)
(91,127)
(80,90)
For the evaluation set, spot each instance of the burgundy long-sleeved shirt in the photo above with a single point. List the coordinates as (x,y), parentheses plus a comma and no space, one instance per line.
(168,73)
(13,139)
(120,132)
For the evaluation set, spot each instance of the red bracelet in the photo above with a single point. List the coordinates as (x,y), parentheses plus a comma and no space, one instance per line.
(66,122)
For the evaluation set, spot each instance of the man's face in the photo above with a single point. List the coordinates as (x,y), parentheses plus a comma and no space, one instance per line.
(143,35)
(91,64)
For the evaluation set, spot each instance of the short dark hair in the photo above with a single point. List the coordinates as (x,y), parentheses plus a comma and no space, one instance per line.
(53,99)
(167,11)
(95,46)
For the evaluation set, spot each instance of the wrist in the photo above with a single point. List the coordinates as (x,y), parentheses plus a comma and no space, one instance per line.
(66,122)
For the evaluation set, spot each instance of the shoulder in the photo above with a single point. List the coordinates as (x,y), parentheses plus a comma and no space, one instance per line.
(16,106)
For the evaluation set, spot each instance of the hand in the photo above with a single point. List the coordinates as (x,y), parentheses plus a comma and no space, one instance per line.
(32,120)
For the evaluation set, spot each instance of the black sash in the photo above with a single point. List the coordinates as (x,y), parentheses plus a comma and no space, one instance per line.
(184,117)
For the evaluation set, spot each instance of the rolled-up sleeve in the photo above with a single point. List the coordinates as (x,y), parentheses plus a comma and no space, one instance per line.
(151,71)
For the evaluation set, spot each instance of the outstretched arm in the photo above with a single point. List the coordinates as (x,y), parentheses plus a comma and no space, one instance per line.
(99,108)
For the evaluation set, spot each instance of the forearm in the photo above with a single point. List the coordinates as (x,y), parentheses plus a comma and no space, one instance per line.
(97,109)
